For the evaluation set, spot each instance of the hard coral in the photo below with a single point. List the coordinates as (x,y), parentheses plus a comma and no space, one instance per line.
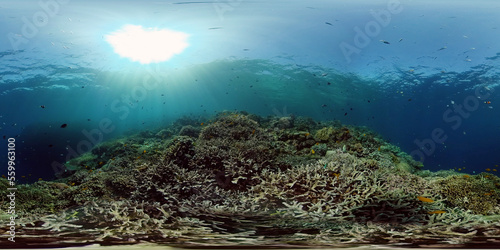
(475,193)
(324,134)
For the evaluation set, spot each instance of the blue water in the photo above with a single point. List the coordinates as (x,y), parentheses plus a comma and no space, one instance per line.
(423,74)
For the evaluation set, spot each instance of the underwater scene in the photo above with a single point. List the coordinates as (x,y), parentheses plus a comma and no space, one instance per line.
(250,124)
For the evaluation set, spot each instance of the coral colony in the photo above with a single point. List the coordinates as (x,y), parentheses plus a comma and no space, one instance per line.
(239,179)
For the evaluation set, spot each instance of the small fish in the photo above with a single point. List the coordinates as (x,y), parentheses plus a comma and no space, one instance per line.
(50,145)
(437,212)
(144,151)
(423,199)
(487,102)
(312,151)
(488,169)
(379,148)
(400,39)
(494,170)
(384,41)
(487,194)
(466,176)
(202,124)
(64,125)
(42,106)
(443,48)
(327,23)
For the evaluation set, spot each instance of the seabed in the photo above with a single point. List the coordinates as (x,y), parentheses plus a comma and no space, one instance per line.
(239,180)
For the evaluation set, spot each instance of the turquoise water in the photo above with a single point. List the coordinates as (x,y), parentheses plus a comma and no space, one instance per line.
(396,67)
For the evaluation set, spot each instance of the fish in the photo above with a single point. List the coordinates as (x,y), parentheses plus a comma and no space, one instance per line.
(144,151)
(423,199)
(384,41)
(437,212)
(312,151)
(42,106)
(466,176)
(64,125)
(487,102)
(488,169)
(327,23)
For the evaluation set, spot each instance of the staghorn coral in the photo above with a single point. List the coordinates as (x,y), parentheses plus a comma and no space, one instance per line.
(242,179)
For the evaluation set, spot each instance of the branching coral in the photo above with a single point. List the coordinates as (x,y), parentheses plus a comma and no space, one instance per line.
(244,176)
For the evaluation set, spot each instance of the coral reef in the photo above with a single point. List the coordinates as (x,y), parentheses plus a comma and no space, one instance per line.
(241,179)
